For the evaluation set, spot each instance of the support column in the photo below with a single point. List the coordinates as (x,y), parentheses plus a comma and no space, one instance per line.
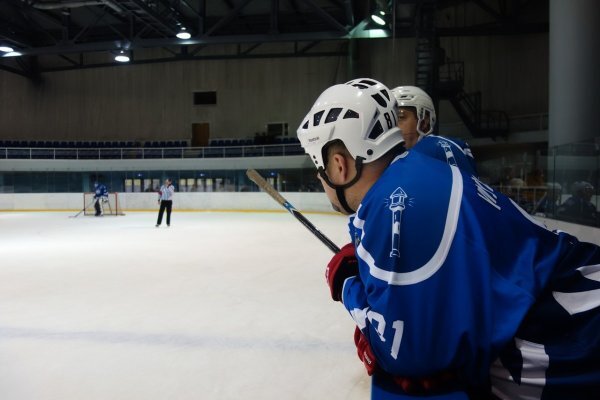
(574,91)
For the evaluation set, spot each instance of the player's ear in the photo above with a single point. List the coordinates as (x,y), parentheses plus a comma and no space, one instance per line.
(338,168)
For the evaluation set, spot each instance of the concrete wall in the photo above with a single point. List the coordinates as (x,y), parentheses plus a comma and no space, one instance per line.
(154,101)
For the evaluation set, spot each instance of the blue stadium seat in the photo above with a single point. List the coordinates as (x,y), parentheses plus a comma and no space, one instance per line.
(17,153)
(233,151)
(274,150)
(213,152)
(39,153)
(152,153)
(253,151)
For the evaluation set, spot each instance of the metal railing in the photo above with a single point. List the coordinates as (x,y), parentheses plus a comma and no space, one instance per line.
(150,153)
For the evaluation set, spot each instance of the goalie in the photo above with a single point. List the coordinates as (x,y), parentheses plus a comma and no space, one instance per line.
(100,196)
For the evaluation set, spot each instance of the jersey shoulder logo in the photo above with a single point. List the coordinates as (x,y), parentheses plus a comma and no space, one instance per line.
(450,159)
(397,202)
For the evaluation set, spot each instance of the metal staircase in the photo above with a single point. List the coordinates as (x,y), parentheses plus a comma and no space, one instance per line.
(445,80)
(480,122)
(426,46)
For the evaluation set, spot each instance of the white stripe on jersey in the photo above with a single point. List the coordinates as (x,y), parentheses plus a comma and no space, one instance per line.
(533,374)
(529,217)
(434,264)
(578,302)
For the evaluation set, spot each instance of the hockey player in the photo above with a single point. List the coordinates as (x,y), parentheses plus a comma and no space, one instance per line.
(450,280)
(100,195)
(416,120)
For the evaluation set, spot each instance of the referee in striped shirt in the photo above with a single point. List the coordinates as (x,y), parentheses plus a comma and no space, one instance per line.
(165,199)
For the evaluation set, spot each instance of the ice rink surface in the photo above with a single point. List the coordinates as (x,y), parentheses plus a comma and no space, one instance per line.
(218,306)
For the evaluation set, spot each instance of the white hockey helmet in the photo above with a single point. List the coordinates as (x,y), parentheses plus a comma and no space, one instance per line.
(582,186)
(412,96)
(361,113)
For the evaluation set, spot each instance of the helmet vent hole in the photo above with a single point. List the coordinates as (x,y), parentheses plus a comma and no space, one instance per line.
(305,126)
(370,152)
(317,118)
(368,82)
(333,115)
(380,100)
(360,86)
(376,131)
(351,114)
(386,94)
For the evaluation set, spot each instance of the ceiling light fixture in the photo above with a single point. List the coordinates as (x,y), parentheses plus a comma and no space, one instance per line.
(13,54)
(6,49)
(381,12)
(378,20)
(122,57)
(183,34)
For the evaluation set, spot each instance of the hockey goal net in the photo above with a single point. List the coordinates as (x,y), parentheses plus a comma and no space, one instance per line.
(109,206)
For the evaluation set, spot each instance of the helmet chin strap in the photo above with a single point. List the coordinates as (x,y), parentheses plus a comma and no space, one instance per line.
(340,190)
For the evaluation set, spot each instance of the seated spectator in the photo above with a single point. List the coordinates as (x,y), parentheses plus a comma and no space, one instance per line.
(548,204)
(506,176)
(535,178)
(579,207)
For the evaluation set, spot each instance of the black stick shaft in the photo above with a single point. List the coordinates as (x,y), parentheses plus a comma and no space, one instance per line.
(271,191)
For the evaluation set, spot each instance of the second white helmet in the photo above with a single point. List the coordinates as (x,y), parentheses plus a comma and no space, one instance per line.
(412,96)
(361,113)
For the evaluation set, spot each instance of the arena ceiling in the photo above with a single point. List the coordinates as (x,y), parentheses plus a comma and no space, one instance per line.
(50,35)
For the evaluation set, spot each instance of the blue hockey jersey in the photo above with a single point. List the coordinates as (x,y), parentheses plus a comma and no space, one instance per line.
(449,150)
(101,191)
(453,275)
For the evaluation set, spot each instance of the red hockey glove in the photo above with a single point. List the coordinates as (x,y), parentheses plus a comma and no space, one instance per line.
(427,385)
(343,265)
(364,351)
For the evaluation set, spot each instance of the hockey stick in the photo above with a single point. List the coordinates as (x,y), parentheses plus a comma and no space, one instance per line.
(82,210)
(109,208)
(270,190)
